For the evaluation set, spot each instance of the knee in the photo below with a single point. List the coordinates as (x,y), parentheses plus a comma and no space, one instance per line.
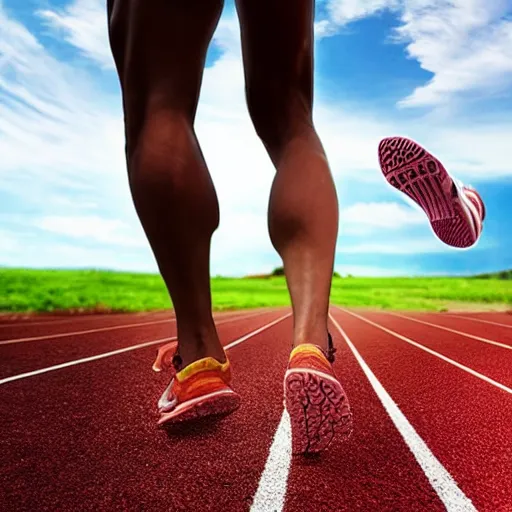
(161,158)
(157,133)
(278,112)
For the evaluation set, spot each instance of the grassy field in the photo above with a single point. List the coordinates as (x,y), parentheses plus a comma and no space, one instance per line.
(88,290)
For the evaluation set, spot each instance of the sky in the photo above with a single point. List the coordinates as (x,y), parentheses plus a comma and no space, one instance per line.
(437,71)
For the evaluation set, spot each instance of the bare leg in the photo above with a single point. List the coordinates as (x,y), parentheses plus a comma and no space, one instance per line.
(159,47)
(303,212)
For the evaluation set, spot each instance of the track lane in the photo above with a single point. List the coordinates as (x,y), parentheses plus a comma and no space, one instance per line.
(464,421)
(501,333)
(89,441)
(89,330)
(33,319)
(77,323)
(373,470)
(489,360)
(503,318)
(26,357)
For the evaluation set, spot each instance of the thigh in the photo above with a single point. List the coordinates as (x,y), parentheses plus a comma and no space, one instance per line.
(277,42)
(159,47)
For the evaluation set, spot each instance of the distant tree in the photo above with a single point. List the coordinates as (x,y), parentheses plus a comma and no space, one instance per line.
(504,274)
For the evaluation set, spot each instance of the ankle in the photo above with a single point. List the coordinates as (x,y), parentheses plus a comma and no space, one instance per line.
(192,350)
(318,337)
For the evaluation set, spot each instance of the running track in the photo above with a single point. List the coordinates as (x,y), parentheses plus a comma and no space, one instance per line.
(431,396)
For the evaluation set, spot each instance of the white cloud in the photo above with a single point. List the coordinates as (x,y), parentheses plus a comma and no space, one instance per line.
(94,228)
(62,255)
(82,23)
(344,11)
(465,44)
(397,246)
(324,28)
(365,217)
(53,123)
(8,242)
(227,35)
(368,271)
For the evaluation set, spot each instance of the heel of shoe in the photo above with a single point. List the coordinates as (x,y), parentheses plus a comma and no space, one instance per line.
(318,409)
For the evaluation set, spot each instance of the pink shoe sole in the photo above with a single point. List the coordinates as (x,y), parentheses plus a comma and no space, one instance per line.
(318,409)
(219,403)
(455,213)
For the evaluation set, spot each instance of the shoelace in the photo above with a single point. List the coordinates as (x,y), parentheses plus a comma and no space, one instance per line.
(331,349)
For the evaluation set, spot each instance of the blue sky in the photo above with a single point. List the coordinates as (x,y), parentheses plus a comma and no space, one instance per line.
(437,71)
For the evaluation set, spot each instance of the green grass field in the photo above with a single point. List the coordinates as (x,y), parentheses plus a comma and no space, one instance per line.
(88,290)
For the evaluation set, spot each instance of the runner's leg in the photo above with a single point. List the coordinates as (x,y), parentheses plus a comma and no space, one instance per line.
(159,47)
(277,42)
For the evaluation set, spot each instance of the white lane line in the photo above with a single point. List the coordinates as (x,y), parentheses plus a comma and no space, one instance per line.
(432,352)
(271,492)
(26,322)
(83,360)
(77,333)
(460,333)
(440,479)
(99,329)
(133,347)
(508,326)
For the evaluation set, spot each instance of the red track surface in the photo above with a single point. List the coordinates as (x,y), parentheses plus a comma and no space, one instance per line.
(83,437)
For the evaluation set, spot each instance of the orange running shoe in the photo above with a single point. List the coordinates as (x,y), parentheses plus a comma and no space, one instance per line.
(200,389)
(314,399)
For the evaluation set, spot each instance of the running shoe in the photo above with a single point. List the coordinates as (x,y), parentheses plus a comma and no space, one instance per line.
(314,399)
(203,388)
(456,211)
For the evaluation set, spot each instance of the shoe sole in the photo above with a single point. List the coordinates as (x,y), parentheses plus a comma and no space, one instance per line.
(318,409)
(219,403)
(411,169)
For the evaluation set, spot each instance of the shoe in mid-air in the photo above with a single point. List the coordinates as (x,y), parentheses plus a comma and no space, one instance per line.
(456,212)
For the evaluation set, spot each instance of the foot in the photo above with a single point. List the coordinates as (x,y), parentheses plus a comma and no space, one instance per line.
(315,400)
(167,355)
(200,389)
(456,212)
